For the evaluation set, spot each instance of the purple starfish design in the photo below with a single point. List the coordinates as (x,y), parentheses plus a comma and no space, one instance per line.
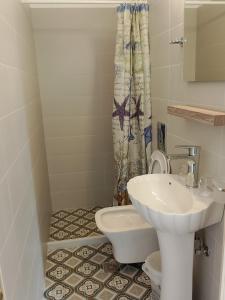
(138,112)
(121,111)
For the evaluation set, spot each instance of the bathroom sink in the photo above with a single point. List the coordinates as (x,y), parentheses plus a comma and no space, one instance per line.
(176,212)
(166,202)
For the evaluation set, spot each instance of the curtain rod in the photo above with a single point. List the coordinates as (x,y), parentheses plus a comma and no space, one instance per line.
(205,2)
(81,1)
(78,3)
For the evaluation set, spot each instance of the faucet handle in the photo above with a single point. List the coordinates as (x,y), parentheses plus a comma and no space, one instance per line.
(193,150)
(212,184)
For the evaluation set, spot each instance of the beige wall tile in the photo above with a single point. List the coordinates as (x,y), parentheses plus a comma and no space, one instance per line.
(22,209)
(73,126)
(160,50)
(71,181)
(76,77)
(75,163)
(82,198)
(160,82)
(168,87)
(159,16)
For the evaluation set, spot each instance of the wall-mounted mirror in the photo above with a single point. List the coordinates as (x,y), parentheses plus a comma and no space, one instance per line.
(204,35)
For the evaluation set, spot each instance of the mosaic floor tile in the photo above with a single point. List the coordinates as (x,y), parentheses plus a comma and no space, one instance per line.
(99,258)
(118,283)
(78,275)
(129,271)
(72,224)
(87,269)
(73,280)
(58,273)
(59,256)
(136,291)
(59,291)
(89,288)
(106,294)
(84,252)
(73,262)
(143,279)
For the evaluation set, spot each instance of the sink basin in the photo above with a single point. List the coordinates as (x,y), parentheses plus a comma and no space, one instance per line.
(166,202)
(176,212)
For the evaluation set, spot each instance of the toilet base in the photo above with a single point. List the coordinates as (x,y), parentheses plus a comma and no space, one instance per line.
(132,238)
(155,292)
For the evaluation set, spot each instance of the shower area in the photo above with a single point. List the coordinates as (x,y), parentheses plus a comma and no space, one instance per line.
(84,79)
(75,55)
(93,72)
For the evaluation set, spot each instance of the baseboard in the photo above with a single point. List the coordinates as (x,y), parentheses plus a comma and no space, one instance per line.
(73,243)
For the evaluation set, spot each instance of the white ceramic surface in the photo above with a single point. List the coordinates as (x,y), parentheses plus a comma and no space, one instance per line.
(164,201)
(176,212)
(133,239)
(159,163)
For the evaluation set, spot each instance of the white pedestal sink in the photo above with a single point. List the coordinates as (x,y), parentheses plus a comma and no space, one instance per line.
(176,212)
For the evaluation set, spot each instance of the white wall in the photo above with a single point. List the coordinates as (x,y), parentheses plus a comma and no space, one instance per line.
(24,196)
(168,87)
(75,52)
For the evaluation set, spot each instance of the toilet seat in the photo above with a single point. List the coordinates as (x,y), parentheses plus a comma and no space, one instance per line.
(120,219)
(159,163)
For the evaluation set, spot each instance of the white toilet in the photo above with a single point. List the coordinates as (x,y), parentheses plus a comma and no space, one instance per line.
(152,267)
(132,238)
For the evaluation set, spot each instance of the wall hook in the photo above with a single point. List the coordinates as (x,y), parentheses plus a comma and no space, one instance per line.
(178,41)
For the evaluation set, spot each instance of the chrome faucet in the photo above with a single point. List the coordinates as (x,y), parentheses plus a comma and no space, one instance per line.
(193,158)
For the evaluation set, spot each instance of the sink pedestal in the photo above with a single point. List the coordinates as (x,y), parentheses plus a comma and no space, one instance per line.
(176,212)
(177,265)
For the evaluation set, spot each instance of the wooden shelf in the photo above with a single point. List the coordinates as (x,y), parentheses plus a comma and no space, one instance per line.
(211,117)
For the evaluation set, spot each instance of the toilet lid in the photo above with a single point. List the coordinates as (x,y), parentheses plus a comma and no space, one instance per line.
(159,163)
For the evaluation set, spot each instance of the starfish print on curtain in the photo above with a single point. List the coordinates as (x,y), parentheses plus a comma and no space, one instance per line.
(138,113)
(131,118)
(121,111)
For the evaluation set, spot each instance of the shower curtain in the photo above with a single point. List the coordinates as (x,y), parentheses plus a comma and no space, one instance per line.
(131,118)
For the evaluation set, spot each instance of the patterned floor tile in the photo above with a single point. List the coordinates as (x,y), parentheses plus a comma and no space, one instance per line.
(73,224)
(82,232)
(73,262)
(99,258)
(73,280)
(60,256)
(59,273)
(143,279)
(102,276)
(89,288)
(137,291)
(118,283)
(60,235)
(60,214)
(59,291)
(84,252)
(78,275)
(87,269)
(106,294)
(106,249)
(129,271)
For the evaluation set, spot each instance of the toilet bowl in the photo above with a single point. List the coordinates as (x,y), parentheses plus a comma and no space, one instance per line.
(132,238)
(152,267)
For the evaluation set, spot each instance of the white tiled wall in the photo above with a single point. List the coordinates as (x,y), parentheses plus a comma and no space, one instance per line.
(75,52)
(166,22)
(24,196)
